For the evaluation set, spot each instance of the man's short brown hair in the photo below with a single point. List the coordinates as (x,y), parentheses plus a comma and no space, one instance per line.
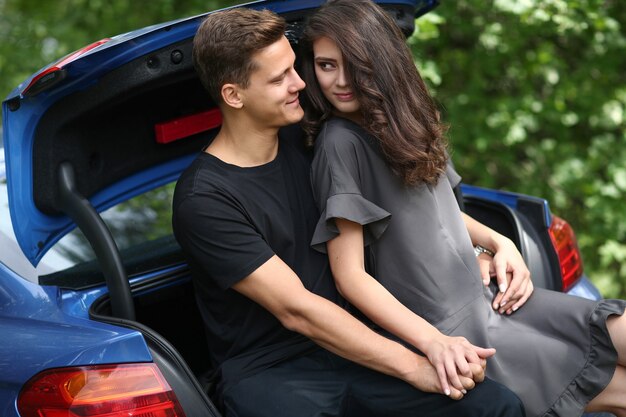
(226,42)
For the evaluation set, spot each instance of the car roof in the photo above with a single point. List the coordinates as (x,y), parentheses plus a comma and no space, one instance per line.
(109,112)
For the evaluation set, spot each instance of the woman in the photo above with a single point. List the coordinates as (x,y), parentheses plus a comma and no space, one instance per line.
(382,180)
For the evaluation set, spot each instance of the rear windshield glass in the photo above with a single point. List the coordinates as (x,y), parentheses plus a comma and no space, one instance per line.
(142,230)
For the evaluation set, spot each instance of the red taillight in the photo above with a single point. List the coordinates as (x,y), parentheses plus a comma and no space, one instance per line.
(564,241)
(137,390)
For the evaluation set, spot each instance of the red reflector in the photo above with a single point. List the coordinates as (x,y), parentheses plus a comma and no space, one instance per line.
(50,73)
(137,390)
(186,126)
(564,241)
(71,57)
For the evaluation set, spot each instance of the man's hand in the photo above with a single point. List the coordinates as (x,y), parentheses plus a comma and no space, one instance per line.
(425,378)
(454,358)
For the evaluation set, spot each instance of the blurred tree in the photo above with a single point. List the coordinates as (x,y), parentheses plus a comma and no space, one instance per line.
(534,92)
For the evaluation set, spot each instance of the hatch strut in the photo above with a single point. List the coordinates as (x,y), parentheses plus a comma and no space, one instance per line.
(99,236)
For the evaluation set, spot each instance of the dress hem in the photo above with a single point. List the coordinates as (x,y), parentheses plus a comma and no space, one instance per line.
(600,366)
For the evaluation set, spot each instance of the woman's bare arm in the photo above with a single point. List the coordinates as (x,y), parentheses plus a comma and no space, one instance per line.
(451,356)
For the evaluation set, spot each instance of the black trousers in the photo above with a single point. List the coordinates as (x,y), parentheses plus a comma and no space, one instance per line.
(322,384)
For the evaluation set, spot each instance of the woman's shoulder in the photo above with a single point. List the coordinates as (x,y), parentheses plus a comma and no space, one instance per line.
(338,133)
(343,125)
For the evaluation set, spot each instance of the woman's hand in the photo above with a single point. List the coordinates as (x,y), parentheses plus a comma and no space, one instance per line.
(485,264)
(512,276)
(454,359)
(424,377)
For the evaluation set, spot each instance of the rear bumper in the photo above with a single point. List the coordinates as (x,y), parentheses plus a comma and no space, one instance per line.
(585,289)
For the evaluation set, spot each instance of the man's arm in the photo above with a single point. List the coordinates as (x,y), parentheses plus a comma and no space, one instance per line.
(277,288)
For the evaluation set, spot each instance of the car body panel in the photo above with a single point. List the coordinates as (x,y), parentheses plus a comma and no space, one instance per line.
(585,289)
(509,198)
(42,336)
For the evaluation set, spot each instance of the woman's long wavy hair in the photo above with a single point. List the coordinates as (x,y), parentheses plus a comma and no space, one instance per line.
(394,102)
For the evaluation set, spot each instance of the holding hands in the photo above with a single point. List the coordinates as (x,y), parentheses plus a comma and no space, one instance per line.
(457,363)
(425,378)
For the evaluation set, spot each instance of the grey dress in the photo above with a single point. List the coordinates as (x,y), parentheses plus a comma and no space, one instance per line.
(554,353)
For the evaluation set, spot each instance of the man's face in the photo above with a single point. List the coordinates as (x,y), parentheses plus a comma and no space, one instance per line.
(272,94)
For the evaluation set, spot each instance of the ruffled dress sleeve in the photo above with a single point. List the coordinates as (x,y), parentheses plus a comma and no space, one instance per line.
(339,167)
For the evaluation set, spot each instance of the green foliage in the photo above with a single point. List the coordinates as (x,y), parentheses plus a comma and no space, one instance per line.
(534,92)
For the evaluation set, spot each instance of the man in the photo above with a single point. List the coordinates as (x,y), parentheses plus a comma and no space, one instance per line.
(244,214)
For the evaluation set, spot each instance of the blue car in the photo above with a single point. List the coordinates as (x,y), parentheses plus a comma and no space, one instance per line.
(97,311)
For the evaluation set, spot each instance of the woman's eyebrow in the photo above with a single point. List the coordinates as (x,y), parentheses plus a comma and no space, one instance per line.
(323,58)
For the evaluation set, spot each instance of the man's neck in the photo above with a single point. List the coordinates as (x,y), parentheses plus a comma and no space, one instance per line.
(243,145)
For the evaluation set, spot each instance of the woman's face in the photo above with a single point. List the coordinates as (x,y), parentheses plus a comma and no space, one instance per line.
(331,76)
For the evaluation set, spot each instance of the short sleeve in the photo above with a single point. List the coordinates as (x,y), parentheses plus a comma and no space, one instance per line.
(214,232)
(336,182)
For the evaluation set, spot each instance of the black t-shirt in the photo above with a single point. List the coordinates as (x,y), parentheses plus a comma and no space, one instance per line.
(229,221)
